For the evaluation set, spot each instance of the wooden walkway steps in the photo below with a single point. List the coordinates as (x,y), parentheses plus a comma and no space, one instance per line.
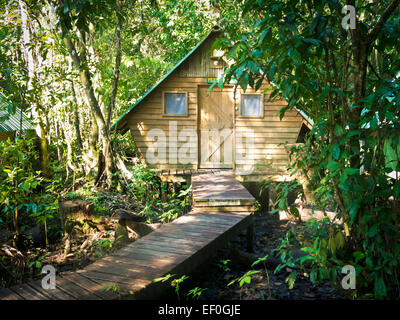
(220,192)
(175,248)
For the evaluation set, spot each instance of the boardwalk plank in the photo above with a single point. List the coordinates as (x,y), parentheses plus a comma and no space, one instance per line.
(53,294)
(194,228)
(126,284)
(207,220)
(125,270)
(143,258)
(95,287)
(136,263)
(219,186)
(160,237)
(7,294)
(76,291)
(169,249)
(224,209)
(187,236)
(28,293)
(176,243)
(150,252)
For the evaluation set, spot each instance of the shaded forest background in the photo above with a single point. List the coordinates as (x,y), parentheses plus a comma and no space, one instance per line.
(77,65)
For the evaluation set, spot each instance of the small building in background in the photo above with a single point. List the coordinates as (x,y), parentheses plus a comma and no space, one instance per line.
(11,122)
(181,125)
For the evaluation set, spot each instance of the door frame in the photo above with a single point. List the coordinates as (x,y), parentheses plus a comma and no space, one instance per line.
(199,120)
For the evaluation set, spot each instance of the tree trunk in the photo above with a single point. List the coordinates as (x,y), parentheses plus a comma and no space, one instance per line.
(31,63)
(86,81)
(109,160)
(44,149)
(76,119)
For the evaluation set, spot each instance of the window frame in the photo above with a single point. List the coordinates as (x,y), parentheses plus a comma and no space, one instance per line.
(186,114)
(261,116)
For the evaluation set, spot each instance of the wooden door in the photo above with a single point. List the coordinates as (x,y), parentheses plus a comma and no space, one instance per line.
(216,128)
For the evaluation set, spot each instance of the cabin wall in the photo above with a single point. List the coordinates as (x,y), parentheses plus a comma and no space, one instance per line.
(269,132)
(149,115)
(198,65)
(264,156)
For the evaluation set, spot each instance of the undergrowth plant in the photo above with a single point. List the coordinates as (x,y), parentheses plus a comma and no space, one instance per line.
(176,283)
(244,279)
(263,261)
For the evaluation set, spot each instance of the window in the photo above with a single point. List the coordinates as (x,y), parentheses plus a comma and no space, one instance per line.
(175,103)
(251,105)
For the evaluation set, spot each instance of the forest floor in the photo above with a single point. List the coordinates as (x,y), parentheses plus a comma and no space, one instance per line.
(69,254)
(220,272)
(215,275)
(85,242)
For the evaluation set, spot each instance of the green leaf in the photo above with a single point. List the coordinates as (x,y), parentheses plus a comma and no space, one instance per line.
(244,80)
(252,67)
(358,255)
(221,82)
(369,263)
(351,171)
(294,211)
(379,288)
(259,260)
(336,151)
(165,278)
(291,279)
(312,41)
(373,230)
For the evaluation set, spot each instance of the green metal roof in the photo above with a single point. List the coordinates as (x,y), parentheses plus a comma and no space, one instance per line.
(164,77)
(12,122)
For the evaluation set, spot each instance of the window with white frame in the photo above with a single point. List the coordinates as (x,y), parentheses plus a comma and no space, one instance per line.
(251,105)
(175,103)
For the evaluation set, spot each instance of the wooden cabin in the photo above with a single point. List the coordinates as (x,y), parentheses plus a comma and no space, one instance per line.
(182,127)
(10,122)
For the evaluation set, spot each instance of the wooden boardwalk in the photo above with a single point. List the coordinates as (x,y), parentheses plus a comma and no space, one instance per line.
(184,176)
(222,209)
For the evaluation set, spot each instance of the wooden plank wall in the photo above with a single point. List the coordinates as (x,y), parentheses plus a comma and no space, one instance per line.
(269,132)
(149,115)
(198,65)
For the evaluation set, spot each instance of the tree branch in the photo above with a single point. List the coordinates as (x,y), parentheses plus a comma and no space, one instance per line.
(373,33)
(373,69)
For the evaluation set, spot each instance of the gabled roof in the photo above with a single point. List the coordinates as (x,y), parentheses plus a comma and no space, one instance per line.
(215,29)
(12,121)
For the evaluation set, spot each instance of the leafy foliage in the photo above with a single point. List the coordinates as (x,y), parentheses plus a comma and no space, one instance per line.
(24,200)
(347,82)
